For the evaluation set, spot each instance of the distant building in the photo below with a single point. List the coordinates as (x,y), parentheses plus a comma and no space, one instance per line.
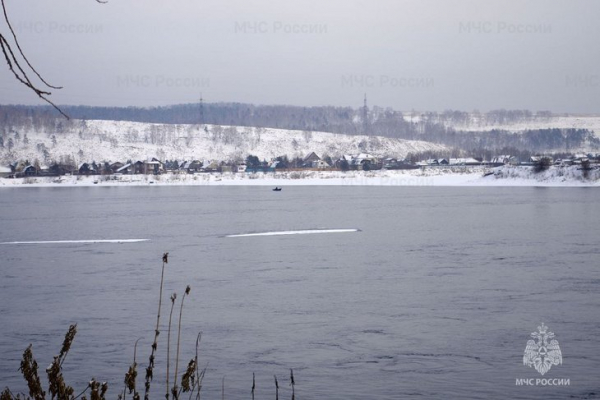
(464,161)
(363,159)
(191,166)
(126,169)
(5,171)
(29,170)
(114,167)
(153,167)
(504,159)
(241,167)
(310,160)
(321,164)
(86,169)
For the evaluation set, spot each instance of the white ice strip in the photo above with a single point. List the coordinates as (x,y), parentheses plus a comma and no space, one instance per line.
(80,241)
(302,232)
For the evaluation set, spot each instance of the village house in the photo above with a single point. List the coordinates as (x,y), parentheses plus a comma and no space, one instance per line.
(139,167)
(153,166)
(126,169)
(241,167)
(321,164)
(310,160)
(114,167)
(86,169)
(464,161)
(364,161)
(346,160)
(504,160)
(191,167)
(392,163)
(5,171)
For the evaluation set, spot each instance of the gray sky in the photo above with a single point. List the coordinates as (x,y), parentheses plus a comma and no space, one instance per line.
(417,54)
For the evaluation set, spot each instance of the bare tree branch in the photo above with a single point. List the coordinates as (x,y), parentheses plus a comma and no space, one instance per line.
(15,67)
(23,78)
(21,51)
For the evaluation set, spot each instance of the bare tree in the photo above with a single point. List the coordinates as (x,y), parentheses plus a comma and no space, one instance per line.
(15,58)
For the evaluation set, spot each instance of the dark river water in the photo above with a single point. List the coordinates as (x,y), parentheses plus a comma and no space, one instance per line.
(434,297)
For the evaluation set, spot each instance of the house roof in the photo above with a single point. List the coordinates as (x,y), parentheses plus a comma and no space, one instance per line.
(124,167)
(310,155)
(90,166)
(467,160)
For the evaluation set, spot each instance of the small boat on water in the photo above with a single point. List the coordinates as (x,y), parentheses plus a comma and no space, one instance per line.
(277,189)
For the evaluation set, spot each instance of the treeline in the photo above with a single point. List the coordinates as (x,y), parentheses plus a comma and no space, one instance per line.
(535,140)
(494,117)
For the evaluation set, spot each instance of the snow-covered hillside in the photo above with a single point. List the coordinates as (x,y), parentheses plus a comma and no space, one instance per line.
(96,140)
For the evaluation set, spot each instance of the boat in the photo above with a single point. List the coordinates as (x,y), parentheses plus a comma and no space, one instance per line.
(277,189)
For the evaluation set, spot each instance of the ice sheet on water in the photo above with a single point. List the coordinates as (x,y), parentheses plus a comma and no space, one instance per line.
(299,232)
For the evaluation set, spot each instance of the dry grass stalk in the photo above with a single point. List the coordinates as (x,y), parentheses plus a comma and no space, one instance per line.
(29,369)
(194,380)
(198,383)
(57,386)
(6,394)
(293,383)
(98,391)
(175,390)
(131,375)
(67,343)
(187,380)
(173,298)
(150,369)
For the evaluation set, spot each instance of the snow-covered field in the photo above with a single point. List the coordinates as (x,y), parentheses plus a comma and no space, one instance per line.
(98,141)
(502,176)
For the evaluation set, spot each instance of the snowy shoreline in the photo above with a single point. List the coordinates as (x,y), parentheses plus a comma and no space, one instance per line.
(502,176)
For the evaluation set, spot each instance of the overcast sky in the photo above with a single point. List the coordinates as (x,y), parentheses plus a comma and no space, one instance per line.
(417,54)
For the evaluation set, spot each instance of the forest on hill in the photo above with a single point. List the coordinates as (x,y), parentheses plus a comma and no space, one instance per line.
(433,127)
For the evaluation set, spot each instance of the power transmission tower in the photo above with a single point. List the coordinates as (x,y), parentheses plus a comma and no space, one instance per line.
(201,111)
(365,117)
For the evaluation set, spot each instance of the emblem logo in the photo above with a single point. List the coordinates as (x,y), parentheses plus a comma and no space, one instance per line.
(543,351)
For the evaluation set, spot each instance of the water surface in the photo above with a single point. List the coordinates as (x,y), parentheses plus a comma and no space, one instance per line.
(434,296)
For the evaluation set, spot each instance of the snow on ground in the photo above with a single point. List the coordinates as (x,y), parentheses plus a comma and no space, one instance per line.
(501,176)
(98,141)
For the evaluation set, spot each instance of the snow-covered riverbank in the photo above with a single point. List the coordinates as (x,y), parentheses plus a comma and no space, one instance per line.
(503,176)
